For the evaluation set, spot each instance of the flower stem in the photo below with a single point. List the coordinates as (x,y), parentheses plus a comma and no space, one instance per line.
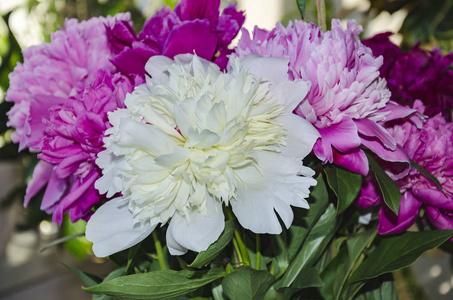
(159,252)
(321,5)
(238,244)
(258,251)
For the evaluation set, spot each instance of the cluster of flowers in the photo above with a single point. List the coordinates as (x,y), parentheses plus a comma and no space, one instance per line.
(173,126)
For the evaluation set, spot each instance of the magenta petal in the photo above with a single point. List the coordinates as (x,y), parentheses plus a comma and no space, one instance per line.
(399,158)
(41,175)
(198,9)
(121,35)
(440,219)
(355,161)
(408,213)
(323,150)
(54,191)
(133,61)
(343,135)
(189,37)
(434,198)
(371,129)
(369,195)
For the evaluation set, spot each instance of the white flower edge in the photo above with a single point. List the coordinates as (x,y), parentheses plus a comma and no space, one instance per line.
(257,205)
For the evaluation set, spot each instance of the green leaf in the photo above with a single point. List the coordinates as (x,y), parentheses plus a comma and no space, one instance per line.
(246,283)
(304,219)
(205,257)
(301,7)
(130,259)
(88,279)
(390,190)
(425,173)
(381,288)
(312,248)
(343,264)
(167,284)
(398,251)
(345,184)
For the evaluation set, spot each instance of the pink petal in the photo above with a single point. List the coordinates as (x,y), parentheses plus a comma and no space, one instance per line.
(41,175)
(343,135)
(434,198)
(198,9)
(355,161)
(370,129)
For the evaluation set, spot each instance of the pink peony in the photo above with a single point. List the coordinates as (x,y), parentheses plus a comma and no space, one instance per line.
(347,98)
(431,147)
(193,27)
(53,72)
(62,93)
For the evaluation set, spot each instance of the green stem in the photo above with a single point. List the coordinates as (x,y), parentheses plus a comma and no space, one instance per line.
(159,252)
(239,245)
(322,19)
(258,251)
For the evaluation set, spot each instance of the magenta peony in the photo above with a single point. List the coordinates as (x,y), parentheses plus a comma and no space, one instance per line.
(431,147)
(416,74)
(62,93)
(194,26)
(347,98)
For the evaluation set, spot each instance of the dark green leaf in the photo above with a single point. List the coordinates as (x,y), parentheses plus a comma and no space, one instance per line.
(312,248)
(130,259)
(246,284)
(345,184)
(381,288)
(343,263)
(205,257)
(399,251)
(301,7)
(425,173)
(390,190)
(167,284)
(304,219)
(88,279)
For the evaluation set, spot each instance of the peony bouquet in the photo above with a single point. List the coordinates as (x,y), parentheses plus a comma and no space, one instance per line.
(299,164)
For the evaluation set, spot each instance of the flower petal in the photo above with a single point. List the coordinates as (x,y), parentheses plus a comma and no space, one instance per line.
(371,129)
(355,161)
(41,175)
(407,214)
(273,191)
(301,136)
(274,69)
(111,229)
(197,234)
(189,37)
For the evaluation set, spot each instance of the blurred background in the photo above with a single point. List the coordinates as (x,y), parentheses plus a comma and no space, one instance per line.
(29,272)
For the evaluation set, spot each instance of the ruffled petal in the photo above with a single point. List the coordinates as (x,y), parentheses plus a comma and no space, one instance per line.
(270,193)
(111,229)
(371,129)
(197,234)
(355,161)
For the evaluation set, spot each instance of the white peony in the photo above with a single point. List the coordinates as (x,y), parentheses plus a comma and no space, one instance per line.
(193,139)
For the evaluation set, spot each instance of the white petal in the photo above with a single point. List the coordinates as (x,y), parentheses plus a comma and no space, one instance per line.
(111,181)
(290,93)
(301,136)
(111,229)
(274,191)
(199,233)
(157,67)
(274,69)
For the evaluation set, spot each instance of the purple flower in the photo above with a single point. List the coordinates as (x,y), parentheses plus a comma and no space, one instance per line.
(417,74)
(431,147)
(347,99)
(62,93)
(194,26)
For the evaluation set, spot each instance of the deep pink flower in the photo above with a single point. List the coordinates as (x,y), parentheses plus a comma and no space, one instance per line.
(53,72)
(72,140)
(431,147)
(416,74)
(62,93)
(194,26)
(347,99)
